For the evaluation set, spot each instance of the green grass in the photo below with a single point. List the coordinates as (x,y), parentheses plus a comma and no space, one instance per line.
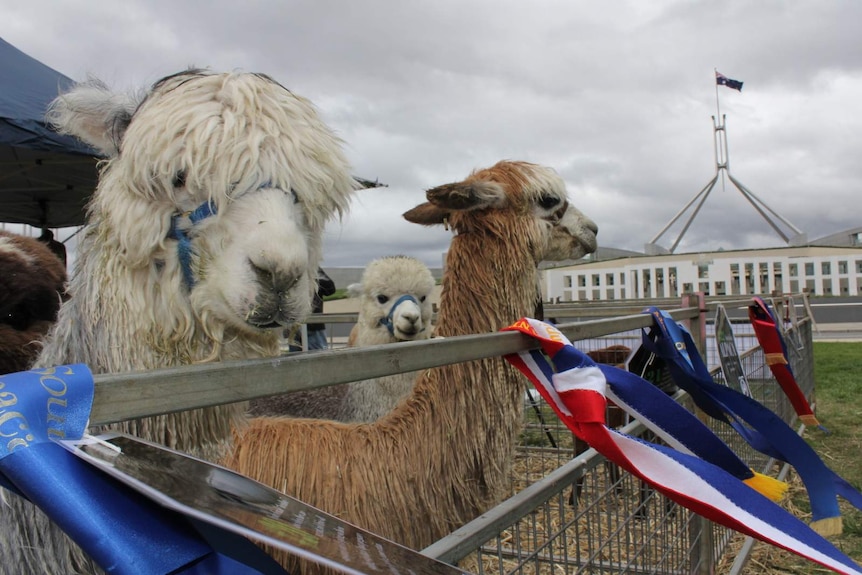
(838,393)
(340,293)
(838,380)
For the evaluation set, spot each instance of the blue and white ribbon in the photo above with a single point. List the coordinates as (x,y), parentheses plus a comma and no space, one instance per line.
(578,390)
(761,428)
(122,531)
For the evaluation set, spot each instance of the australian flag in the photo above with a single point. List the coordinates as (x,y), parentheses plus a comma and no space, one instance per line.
(723,80)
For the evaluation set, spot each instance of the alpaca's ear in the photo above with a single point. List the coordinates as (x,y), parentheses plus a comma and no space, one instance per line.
(426,214)
(354,290)
(474,195)
(93,114)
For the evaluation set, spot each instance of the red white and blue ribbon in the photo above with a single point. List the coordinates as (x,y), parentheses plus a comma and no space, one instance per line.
(768,333)
(761,428)
(121,530)
(578,391)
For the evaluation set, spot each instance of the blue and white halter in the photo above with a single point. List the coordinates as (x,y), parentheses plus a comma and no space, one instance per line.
(387,321)
(184,242)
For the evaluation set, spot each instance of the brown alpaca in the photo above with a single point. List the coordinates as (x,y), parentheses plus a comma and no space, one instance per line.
(32,286)
(443,455)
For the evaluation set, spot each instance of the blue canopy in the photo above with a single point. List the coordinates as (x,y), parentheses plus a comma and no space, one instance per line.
(45,178)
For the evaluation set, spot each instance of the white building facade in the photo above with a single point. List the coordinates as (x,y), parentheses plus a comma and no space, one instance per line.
(818,270)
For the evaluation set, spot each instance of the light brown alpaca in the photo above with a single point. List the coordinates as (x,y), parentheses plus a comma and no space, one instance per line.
(442,456)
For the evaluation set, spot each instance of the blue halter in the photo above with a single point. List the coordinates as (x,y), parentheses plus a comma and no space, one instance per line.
(387,321)
(184,242)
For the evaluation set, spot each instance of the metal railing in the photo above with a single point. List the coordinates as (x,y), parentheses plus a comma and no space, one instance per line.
(567,514)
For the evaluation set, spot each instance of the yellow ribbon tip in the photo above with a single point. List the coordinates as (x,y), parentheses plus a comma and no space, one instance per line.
(767,486)
(809,420)
(828,526)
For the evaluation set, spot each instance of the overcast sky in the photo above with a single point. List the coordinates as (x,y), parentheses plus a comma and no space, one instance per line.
(617,96)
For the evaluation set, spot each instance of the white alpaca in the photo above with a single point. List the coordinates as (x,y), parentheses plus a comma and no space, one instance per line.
(203,241)
(394,305)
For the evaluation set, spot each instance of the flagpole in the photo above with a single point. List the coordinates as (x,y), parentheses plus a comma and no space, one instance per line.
(719,124)
(717,108)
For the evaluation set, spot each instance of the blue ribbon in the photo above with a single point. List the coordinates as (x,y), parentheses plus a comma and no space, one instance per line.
(653,406)
(121,530)
(761,428)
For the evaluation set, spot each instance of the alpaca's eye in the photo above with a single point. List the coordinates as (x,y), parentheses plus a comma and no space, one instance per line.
(547,201)
(382,298)
(422,299)
(294,195)
(179,179)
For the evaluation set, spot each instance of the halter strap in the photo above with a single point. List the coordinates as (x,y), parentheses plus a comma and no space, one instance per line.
(387,321)
(184,242)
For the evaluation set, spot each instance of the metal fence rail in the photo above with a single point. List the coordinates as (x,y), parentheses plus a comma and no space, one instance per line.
(617,525)
(567,514)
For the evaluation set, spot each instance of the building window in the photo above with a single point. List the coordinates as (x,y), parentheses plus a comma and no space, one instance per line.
(764,277)
(596,280)
(671,278)
(720,288)
(859,266)
(622,278)
(793,270)
(703,271)
(609,279)
(809,268)
(582,281)
(826,268)
(842,267)
(567,281)
(704,287)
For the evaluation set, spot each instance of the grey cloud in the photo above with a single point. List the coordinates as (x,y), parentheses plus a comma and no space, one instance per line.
(617,96)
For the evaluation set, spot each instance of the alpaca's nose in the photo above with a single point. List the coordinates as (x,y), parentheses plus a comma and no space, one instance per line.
(275,280)
(411,315)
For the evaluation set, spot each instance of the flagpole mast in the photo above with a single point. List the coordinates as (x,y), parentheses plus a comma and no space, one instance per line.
(720,157)
(722,168)
(717,108)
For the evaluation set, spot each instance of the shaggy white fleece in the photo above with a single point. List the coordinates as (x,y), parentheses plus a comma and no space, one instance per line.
(272,172)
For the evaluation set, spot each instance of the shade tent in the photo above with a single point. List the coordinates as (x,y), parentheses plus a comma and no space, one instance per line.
(45,178)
